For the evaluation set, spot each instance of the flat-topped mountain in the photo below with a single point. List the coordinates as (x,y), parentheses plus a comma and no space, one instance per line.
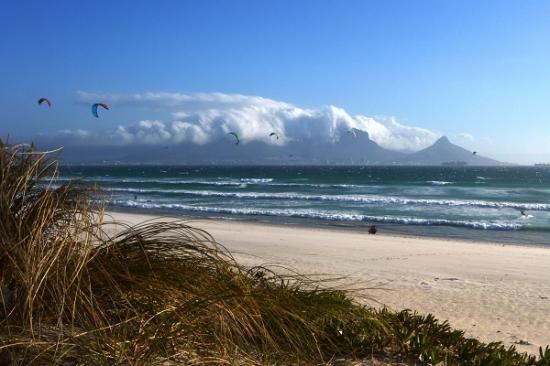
(350,149)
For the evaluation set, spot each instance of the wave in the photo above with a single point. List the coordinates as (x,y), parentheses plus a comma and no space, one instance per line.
(223,181)
(219,182)
(256,180)
(369,199)
(322,215)
(104,179)
(438,182)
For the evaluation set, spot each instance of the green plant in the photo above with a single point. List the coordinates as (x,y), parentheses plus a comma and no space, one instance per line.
(78,289)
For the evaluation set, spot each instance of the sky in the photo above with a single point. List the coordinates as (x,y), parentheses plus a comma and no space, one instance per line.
(409,71)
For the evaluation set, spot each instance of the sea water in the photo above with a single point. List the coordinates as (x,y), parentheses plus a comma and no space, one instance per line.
(477,203)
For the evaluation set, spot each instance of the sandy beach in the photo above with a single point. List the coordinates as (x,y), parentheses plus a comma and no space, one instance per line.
(493,292)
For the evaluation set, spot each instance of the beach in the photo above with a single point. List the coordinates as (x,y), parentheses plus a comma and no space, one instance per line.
(475,204)
(493,292)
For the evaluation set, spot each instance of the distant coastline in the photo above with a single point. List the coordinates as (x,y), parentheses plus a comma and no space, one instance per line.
(346,151)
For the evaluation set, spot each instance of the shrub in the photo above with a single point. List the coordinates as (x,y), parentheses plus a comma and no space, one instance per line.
(79,290)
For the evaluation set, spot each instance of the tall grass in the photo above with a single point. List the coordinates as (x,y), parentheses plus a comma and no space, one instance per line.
(75,291)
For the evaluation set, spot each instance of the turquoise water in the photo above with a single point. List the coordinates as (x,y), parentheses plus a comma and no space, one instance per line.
(470,203)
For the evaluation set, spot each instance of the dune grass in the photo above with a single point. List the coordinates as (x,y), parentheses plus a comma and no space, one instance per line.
(77,289)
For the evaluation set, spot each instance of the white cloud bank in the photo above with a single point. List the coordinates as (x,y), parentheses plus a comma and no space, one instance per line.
(466,136)
(205,117)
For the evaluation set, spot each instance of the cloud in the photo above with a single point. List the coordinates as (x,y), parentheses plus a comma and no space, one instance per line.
(466,136)
(76,133)
(389,133)
(205,117)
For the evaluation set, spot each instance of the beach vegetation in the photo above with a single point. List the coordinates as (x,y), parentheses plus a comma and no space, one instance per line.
(80,289)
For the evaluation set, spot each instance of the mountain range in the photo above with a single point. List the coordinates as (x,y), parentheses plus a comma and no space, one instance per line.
(357,149)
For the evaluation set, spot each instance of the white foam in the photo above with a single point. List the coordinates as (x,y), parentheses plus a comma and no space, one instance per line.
(323,215)
(360,198)
(256,180)
(219,182)
(438,182)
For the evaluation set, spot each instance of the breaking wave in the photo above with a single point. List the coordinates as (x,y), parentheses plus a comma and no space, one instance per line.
(322,215)
(360,198)
(438,182)
(218,182)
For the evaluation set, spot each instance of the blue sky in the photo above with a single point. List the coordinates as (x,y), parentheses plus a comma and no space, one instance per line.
(480,68)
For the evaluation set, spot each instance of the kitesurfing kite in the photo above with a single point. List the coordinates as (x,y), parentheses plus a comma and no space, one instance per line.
(45,100)
(236,137)
(96,105)
(474,153)
(274,134)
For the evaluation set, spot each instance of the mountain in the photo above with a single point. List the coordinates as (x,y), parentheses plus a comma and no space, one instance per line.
(443,152)
(348,150)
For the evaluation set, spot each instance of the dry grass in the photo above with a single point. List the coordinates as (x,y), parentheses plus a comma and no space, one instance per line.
(149,293)
(72,293)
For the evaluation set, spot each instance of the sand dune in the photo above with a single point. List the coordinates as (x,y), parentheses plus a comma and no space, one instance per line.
(493,292)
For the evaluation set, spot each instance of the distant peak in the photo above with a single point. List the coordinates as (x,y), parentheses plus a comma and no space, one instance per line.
(443,140)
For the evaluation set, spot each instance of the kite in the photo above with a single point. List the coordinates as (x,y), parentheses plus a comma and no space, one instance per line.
(96,105)
(474,153)
(236,137)
(274,134)
(45,100)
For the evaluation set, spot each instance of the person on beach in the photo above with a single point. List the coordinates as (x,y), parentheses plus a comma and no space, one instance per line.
(372,230)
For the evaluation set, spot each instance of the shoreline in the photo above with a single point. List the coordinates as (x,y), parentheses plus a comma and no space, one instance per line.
(435,232)
(492,292)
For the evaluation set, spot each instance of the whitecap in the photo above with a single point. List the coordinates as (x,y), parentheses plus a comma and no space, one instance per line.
(323,215)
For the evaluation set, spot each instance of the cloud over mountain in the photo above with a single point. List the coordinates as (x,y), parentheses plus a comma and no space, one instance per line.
(206,117)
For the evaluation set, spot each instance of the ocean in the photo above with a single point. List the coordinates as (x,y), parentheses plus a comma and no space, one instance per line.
(471,203)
